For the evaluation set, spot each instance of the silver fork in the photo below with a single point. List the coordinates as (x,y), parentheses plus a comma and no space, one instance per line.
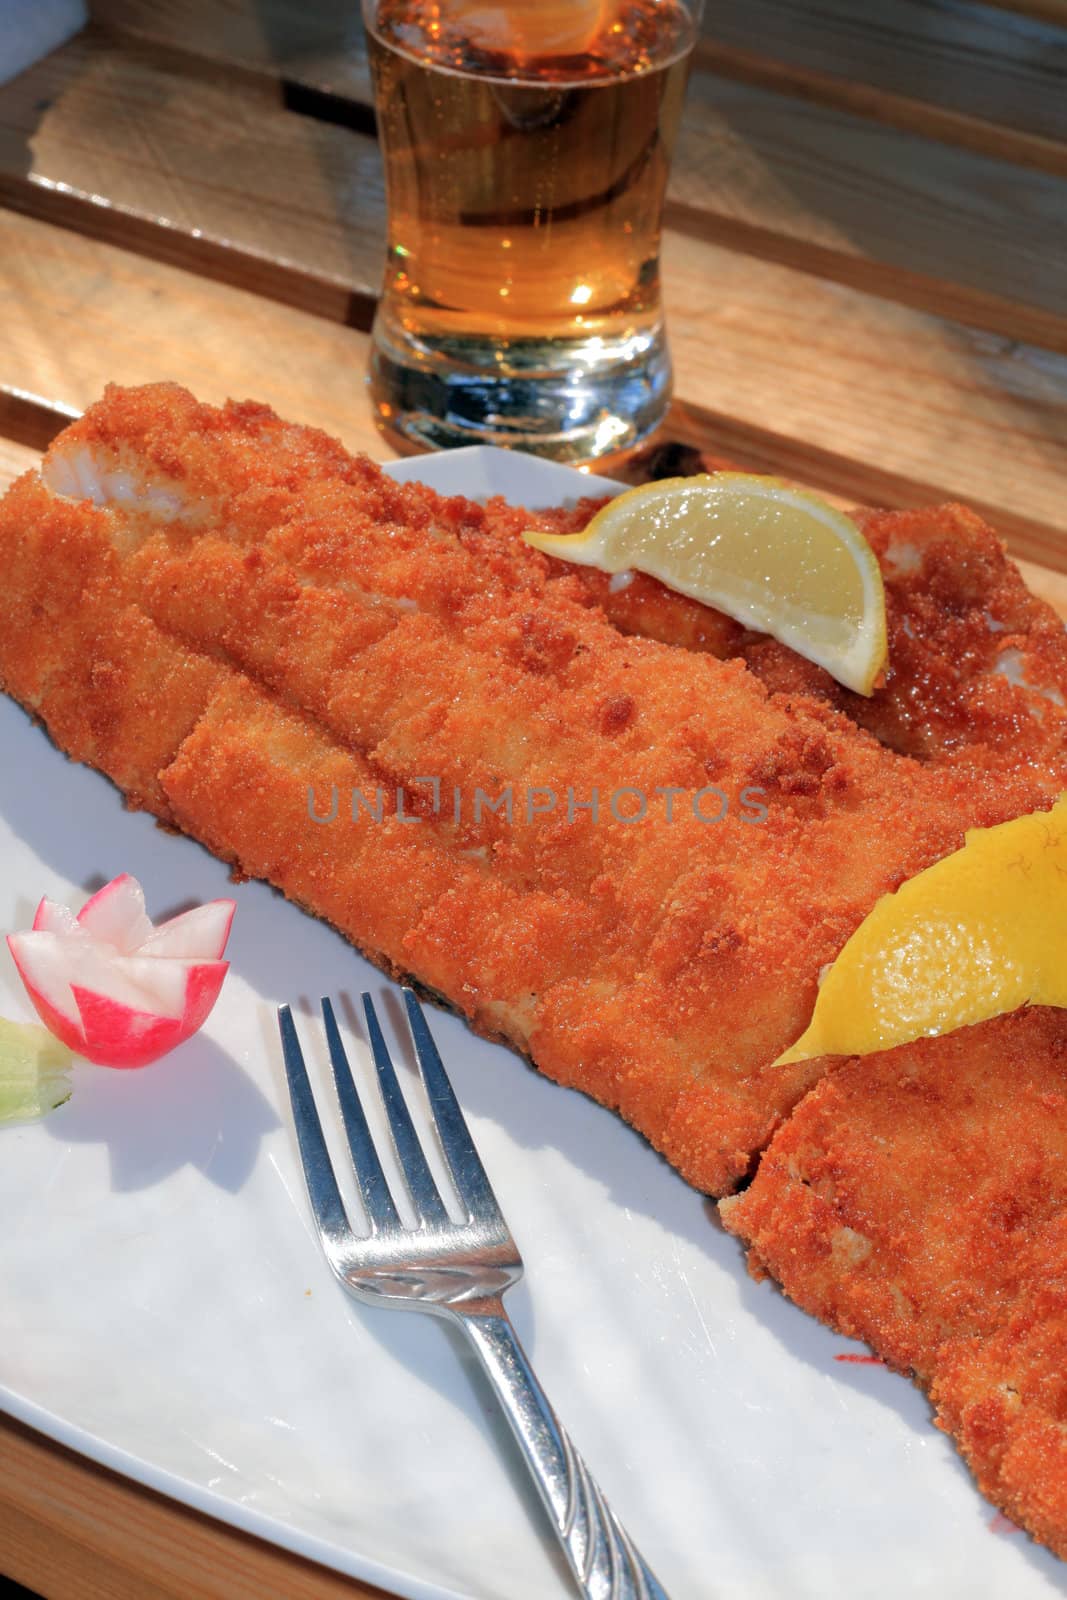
(457,1270)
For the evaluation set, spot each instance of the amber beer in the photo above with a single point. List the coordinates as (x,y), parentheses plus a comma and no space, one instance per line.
(527,148)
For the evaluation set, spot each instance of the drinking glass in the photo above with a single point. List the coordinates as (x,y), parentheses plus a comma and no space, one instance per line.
(527,147)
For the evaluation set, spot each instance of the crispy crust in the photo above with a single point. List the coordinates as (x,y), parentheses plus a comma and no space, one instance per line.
(659,968)
(977,664)
(1004,1399)
(282,622)
(917,1199)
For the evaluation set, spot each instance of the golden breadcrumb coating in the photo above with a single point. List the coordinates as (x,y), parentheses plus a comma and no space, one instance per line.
(267,643)
(917,1199)
(1004,1399)
(224,557)
(977,670)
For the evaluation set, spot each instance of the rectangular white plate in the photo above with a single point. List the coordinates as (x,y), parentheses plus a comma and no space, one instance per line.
(165,1308)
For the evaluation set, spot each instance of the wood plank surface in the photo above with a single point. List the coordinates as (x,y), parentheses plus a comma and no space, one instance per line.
(189,159)
(988,66)
(1051,586)
(869,399)
(775,371)
(820,189)
(71,1530)
(175,157)
(1004,70)
(984,79)
(1046,10)
(15,459)
(931,119)
(76,314)
(313,42)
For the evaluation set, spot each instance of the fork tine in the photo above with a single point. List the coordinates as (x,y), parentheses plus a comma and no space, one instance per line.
(373,1184)
(428,1203)
(469,1176)
(325,1196)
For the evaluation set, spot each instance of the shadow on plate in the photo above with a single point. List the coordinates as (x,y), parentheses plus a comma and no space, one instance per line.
(195,1107)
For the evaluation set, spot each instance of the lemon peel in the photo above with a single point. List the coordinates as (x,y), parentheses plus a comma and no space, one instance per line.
(551,27)
(771,556)
(981,932)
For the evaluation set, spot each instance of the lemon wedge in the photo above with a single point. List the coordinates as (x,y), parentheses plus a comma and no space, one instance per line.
(772,557)
(550,27)
(980,932)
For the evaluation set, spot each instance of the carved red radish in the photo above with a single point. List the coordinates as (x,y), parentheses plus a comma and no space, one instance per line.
(114,987)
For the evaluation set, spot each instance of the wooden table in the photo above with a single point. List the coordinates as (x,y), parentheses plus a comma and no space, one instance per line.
(866,277)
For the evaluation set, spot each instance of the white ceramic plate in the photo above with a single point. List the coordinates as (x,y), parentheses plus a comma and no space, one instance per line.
(165,1308)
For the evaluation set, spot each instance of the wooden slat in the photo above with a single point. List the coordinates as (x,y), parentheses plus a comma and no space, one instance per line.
(1051,586)
(313,42)
(945,230)
(74,1531)
(1000,100)
(930,120)
(76,314)
(776,371)
(27,420)
(1003,71)
(1045,10)
(173,157)
(15,459)
(942,229)
(999,74)
(946,69)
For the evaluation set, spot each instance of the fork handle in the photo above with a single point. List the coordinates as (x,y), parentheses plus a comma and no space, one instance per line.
(604,1562)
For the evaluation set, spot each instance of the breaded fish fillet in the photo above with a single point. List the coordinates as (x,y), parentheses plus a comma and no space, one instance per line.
(917,1199)
(977,671)
(245,627)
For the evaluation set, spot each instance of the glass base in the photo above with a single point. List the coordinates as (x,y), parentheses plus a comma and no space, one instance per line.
(568,399)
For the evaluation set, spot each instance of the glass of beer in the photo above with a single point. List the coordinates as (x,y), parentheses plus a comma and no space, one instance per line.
(527,145)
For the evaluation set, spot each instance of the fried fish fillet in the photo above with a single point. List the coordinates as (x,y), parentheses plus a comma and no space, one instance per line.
(977,672)
(241,624)
(258,638)
(917,1199)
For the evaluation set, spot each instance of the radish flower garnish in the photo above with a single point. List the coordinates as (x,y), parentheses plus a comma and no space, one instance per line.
(114,987)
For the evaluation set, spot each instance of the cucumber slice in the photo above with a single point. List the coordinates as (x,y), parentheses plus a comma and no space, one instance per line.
(35,1074)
